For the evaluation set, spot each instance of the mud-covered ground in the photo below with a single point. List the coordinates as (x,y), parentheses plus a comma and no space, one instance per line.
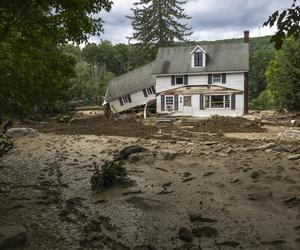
(230,193)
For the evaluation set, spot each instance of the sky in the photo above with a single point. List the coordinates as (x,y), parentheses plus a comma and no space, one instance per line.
(210,19)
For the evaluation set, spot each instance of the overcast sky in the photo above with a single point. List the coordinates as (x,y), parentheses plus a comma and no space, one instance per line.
(210,19)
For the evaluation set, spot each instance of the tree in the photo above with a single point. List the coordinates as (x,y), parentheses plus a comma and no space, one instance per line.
(159,23)
(283,76)
(259,60)
(287,22)
(34,71)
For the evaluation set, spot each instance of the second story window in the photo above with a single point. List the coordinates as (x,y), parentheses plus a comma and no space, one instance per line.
(216,78)
(198,59)
(149,91)
(179,80)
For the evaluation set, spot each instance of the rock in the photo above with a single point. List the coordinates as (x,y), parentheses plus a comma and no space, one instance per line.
(235,180)
(294,157)
(209,143)
(205,232)
(208,173)
(255,174)
(266,146)
(185,234)
(166,155)
(12,236)
(125,152)
(22,132)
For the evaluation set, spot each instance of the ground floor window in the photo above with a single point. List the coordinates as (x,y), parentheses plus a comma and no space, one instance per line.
(125,99)
(170,102)
(187,101)
(217,101)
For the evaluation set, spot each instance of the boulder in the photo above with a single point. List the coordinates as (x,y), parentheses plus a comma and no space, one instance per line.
(166,155)
(5,144)
(125,152)
(22,131)
(294,157)
(12,237)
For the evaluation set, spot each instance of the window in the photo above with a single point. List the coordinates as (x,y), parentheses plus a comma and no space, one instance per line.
(187,101)
(126,99)
(198,59)
(216,78)
(217,101)
(151,90)
(179,79)
(170,102)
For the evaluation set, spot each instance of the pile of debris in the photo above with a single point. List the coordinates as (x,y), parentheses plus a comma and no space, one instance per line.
(217,124)
(5,144)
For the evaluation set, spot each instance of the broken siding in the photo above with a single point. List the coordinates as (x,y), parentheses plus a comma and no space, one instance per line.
(137,99)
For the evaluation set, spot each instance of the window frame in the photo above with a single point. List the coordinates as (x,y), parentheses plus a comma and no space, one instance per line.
(187,96)
(173,103)
(198,59)
(226,103)
(126,99)
(213,78)
(179,77)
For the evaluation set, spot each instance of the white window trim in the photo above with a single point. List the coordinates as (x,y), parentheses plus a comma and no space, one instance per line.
(217,107)
(221,78)
(179,76)
(173,105)
(203,57)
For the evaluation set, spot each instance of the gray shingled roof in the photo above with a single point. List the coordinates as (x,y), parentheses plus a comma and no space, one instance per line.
(222,57)
(130,82)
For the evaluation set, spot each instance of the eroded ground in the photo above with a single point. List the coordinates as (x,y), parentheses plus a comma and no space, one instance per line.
(231,193)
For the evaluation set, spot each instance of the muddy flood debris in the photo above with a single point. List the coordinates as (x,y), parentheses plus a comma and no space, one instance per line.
(189,189)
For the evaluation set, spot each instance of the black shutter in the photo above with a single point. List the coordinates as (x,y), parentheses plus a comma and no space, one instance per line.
(176,102)
(223,78)
(145,92)
(129,98)
(153,90)
(233,101)
(186,80)
(209,78)
(201,102)
(162,104)
(172,80)
(121,101)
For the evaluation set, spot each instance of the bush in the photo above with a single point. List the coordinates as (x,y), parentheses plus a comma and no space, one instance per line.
(264,101)
(110,174)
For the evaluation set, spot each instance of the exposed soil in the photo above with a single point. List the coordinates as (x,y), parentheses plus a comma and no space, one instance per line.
(228,124)
(224,193)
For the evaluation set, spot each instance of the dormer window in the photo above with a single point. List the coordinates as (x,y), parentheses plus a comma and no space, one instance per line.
(198,57)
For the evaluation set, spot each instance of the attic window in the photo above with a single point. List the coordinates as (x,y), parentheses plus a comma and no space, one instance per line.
(198,59)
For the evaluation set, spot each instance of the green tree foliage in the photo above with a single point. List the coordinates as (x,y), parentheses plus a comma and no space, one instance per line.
(287,22)
(34,71)
(283,75)
(158,24)
(259,60)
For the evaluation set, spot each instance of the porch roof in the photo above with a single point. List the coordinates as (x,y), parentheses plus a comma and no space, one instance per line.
(200,89)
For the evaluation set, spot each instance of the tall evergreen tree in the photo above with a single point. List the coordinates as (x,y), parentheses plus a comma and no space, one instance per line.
(159,23)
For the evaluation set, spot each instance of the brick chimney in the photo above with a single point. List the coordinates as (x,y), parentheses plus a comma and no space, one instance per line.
(246,36)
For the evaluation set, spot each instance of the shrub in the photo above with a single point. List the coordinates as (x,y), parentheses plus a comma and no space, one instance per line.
(264,101)
(110,174)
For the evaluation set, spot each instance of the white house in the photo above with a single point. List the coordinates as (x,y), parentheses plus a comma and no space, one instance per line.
(132,89)
(197,81)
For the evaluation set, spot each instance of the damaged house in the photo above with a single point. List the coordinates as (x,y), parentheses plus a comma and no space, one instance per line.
(197,81)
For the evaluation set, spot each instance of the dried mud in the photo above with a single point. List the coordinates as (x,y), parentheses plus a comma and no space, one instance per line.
(227,193)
